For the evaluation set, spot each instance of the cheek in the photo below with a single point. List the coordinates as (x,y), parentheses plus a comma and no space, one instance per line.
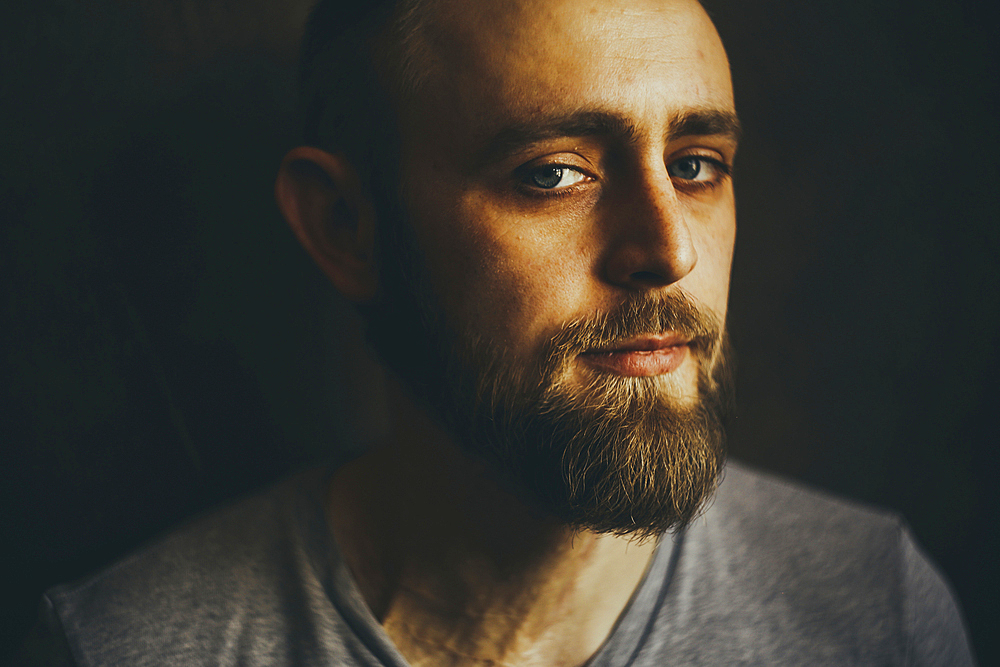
(524,285)
(511,281)
(715,258)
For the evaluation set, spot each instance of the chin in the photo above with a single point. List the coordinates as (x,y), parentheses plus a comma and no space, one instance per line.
(598,451)
(608,452)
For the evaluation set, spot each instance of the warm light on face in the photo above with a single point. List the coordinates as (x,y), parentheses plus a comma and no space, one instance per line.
(556,162)
(567,232)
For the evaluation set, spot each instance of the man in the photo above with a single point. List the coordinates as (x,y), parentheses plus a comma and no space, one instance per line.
(532,205)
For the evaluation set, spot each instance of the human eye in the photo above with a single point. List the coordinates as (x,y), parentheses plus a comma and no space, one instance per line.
(553,178)
(698,171)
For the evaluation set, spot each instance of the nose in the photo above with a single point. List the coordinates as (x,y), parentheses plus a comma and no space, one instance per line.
(651,244)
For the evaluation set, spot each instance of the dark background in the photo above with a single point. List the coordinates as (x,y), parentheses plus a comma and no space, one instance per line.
(166,344)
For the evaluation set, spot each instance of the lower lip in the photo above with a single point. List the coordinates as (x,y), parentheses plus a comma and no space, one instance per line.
(636,363)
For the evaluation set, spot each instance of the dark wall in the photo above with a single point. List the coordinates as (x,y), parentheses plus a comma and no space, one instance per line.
(166,344)
(865,302)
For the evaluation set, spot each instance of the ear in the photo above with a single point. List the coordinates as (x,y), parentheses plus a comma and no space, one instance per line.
(323,201)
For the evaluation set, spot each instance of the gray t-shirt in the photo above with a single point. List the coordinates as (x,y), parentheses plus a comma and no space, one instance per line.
(772,574)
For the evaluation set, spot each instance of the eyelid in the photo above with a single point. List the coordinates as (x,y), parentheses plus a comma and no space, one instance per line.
(723,168)
(716,162)
(566,160)
(556,161)
(712,154)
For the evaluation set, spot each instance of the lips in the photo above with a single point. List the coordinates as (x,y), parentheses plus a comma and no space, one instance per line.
(642,356)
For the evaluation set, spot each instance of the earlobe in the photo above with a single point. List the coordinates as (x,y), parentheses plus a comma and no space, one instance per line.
(323,201)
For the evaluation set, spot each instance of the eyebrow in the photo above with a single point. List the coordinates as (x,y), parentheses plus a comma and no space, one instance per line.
(695,122)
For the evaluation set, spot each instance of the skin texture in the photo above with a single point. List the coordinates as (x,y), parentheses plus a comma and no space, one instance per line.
(518,265)
(459,571)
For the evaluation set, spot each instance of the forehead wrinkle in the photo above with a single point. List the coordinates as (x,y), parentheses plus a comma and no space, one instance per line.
(474,27)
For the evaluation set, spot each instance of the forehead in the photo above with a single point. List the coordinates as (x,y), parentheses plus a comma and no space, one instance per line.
(495,62)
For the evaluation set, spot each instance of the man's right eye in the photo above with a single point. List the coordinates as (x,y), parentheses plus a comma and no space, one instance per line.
(554,177)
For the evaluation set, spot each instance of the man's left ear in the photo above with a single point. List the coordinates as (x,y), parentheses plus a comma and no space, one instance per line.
(332,215)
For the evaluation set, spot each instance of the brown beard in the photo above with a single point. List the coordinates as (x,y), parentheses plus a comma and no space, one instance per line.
(619,455)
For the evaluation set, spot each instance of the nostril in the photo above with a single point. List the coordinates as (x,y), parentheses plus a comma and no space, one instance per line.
(648,277)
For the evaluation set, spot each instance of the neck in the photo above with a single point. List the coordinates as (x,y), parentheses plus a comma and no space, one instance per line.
(461,572)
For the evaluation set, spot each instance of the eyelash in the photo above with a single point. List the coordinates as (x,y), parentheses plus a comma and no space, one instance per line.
(725,171)
(538,191)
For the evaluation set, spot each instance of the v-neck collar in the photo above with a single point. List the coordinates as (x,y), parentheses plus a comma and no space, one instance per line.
(619,649)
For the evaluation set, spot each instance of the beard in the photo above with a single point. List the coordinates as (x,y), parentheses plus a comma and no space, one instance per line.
(611,454)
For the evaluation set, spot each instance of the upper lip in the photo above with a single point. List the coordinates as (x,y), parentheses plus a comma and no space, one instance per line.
(647,343)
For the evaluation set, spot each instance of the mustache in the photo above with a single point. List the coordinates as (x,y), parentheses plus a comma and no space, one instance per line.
(640,315)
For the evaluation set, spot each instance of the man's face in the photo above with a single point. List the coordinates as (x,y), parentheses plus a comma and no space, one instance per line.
(565,180)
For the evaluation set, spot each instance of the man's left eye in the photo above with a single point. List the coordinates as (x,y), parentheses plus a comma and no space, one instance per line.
(553,177)
(696,168)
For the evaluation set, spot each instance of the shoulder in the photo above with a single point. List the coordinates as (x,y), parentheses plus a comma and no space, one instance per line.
(773,513)
(223,579)
(777,546)
(802,572)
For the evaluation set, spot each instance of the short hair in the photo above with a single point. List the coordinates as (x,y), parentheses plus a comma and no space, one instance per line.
(358,59)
